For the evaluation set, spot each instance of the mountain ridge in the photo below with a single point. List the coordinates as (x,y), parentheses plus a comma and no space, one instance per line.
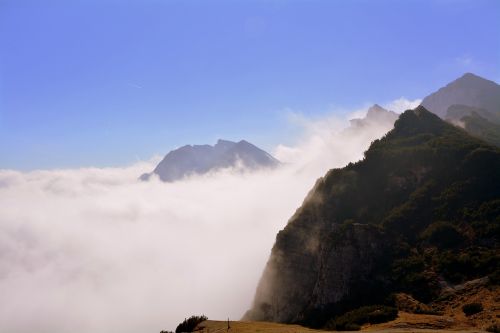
(200,159)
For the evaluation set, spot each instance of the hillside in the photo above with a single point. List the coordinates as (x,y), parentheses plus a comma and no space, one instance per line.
(419,213)
(477,122)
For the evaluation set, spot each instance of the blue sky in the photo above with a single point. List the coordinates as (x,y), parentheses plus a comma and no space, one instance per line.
(102,83)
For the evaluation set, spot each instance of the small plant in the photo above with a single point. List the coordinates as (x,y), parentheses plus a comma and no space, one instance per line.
(472,308)
(443,235)
(352,320)
(189,324)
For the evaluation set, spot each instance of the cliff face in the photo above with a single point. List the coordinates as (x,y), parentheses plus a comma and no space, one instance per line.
(311,268)
(369,229)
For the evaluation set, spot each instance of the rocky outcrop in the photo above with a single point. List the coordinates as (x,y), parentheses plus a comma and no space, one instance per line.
(315,264)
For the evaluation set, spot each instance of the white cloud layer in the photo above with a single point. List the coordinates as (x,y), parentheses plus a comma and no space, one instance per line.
(402,104)
(96,250)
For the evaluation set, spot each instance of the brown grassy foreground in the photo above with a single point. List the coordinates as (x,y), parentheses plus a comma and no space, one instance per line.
(451,318)
(212,326)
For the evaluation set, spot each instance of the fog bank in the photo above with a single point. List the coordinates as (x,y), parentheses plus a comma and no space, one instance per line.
(96,250)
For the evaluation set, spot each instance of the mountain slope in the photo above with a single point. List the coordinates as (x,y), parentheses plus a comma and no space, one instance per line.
(420,211)
(477,122)
(200,159)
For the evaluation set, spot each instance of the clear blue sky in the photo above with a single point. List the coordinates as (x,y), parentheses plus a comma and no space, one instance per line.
(101,82)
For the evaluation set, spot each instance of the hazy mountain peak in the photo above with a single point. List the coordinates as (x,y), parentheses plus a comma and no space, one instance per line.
(200,159)
(375,108)
(470,90)
(375,115)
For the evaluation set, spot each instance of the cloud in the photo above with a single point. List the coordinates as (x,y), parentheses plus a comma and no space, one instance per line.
(402,104)
(96,250)
(464,60)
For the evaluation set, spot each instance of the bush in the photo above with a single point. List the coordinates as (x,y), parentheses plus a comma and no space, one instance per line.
(472,263)
(352,327)
(472,308)
(495,328)
(188,325)
(443,235)
(373,314)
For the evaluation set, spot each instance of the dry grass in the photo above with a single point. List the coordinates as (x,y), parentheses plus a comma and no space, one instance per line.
(212,326)
(451,320)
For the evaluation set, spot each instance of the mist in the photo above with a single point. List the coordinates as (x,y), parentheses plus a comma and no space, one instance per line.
(97,250)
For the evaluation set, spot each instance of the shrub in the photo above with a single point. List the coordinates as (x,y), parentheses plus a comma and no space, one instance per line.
(443,235)
(189,324)
(373,314)
(433,312)
(352,327)
(472,308)
(495,328)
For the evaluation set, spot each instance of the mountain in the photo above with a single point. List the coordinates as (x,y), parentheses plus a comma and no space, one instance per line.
(200,159)
(472,103)
(470,90)
(420,213)
(375,115)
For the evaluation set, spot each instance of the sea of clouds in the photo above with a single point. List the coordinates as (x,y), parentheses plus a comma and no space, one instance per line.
(96,250)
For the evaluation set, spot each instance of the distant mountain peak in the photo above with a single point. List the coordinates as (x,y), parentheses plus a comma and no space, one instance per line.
(470,75)
(376,108)
(375,115)
(200,159)
(470,90)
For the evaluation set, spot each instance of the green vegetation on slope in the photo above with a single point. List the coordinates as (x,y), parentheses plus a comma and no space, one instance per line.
(430,192)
